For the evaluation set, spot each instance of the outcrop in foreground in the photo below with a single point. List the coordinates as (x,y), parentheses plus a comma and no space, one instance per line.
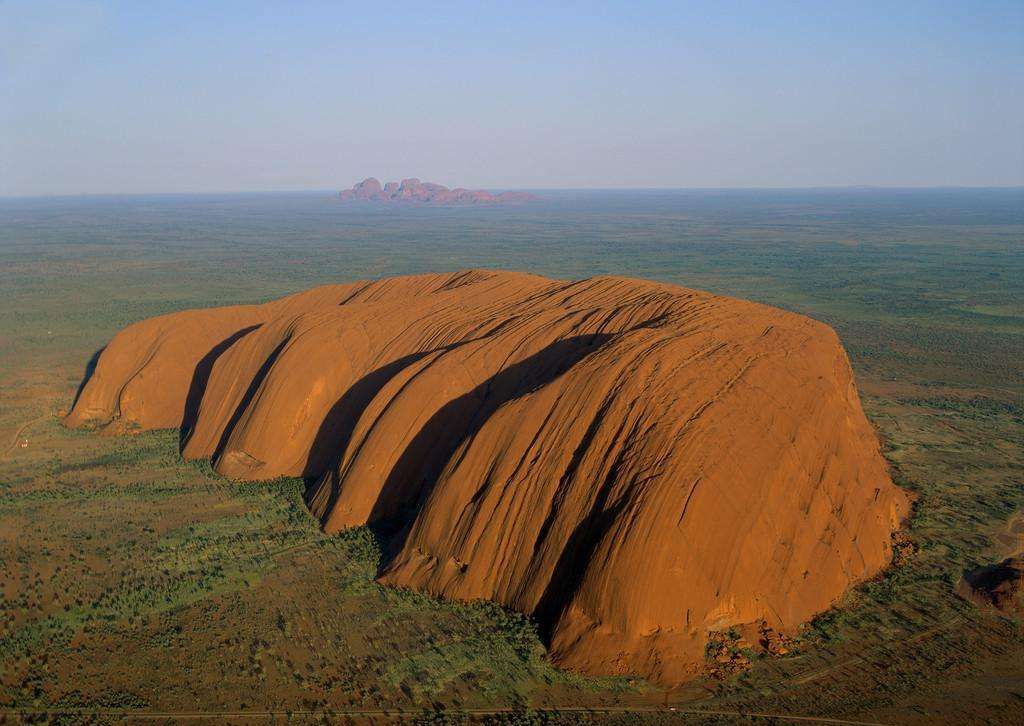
(413,190)
(1000,586)
(637,465)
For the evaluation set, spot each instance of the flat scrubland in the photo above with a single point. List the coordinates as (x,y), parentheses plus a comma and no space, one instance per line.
(132,582)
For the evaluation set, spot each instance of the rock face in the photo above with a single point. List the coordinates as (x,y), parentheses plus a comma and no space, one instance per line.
(635,464)
(413,190)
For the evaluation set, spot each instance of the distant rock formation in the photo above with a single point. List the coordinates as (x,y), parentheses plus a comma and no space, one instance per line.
(413,190)
(637,465)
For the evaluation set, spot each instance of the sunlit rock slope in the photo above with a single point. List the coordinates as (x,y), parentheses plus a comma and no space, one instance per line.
(635,464)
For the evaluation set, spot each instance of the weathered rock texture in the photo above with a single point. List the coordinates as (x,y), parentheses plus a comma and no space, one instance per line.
(413,190)
(635,464)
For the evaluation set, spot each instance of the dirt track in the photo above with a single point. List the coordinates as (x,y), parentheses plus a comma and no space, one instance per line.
(19,432)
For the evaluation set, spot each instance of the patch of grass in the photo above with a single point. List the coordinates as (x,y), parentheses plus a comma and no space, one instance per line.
(256,606)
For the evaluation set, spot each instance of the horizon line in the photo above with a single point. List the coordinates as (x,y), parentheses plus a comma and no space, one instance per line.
(819,187)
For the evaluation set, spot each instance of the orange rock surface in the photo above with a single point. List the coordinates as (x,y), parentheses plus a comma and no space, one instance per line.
(635,464)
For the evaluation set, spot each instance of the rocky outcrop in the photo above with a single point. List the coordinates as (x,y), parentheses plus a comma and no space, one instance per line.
(636,465)
(413,190)
(999,586)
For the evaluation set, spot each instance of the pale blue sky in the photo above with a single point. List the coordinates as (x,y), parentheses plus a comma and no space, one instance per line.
(138,97)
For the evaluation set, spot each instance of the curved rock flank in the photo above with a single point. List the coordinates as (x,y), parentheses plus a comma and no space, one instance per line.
(635,464)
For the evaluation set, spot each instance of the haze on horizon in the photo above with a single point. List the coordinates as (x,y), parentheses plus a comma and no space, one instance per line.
(120,97)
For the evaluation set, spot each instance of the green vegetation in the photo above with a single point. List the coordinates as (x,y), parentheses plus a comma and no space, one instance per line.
(133,580)
(130,558)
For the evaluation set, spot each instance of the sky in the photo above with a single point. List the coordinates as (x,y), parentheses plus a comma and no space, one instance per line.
(149,97)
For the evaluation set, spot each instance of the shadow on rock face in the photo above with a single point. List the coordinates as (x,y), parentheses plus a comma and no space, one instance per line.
(334,433)
(90,368)
(200,379)
(414,475)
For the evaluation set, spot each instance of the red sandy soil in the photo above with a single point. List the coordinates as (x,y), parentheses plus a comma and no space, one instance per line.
(637,465)
(413,190)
